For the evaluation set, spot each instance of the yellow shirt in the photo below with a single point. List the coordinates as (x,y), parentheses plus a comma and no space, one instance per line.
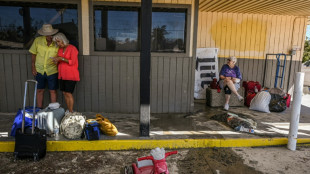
(43,53)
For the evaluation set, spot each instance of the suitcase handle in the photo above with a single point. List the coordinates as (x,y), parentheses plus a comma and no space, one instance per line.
(34,105)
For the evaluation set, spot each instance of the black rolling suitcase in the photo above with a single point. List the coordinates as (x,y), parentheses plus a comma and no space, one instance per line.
(30,142)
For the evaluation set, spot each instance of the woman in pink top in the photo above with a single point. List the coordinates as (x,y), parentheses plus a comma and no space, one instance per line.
(68,73)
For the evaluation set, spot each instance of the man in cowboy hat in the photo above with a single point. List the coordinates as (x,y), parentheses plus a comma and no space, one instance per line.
(43,67)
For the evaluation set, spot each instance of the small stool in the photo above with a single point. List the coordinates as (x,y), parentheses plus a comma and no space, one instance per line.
(215,99)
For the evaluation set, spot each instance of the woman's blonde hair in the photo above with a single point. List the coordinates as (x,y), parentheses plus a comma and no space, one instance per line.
(62,37)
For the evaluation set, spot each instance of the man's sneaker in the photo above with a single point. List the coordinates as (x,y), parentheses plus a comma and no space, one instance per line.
(67,112)
(240,98)
(226,107)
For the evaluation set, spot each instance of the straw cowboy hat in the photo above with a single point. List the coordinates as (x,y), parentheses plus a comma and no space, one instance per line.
(47,30)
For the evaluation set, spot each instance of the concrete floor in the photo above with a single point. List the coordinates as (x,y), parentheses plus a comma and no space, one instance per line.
(196,125)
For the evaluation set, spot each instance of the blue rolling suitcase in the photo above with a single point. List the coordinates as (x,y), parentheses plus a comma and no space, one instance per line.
(30,142)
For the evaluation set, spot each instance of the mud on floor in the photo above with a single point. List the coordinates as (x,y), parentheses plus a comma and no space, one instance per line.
(211,160)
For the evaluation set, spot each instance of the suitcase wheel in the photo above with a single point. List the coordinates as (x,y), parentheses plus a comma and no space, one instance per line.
(35,157)
(15,156)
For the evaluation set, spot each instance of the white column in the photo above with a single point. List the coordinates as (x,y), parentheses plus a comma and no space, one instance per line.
(296,105)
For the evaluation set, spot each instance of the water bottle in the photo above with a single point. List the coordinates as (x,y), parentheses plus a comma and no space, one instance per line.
(56,132)
(244,129)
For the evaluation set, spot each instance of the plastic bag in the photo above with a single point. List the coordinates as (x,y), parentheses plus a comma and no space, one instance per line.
(277,103)
(261,102)
(277,91)
(72,125)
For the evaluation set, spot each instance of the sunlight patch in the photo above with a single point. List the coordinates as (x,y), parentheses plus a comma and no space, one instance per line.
(4,134)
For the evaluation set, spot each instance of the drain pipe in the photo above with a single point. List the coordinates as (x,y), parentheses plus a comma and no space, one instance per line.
(296,105)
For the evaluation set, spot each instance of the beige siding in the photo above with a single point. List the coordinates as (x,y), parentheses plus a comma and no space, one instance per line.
(250,37)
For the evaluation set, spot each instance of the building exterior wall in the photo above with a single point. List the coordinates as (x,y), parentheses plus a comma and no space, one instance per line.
(250,37)
(108,83)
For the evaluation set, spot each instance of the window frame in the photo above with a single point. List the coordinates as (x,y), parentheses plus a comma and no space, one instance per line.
(76,2)
(137,53)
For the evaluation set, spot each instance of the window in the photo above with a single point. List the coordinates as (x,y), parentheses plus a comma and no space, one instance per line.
(118,28)
(168,30)
(19,22)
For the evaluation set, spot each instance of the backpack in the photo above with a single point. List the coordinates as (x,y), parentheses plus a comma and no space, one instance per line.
(251,87)
(72,125)
(92,131)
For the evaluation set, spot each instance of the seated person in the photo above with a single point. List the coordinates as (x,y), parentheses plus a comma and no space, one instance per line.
(230,78)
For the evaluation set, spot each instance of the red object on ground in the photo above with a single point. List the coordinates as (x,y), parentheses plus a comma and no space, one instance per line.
(249,87)
(288,100)
(249,98)
(159,166)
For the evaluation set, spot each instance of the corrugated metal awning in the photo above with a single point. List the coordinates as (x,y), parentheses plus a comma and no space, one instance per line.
(275,7)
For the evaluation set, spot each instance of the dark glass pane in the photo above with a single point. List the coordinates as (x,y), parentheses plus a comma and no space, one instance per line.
(11,28)
(19,22)
(168,31)
(116,29)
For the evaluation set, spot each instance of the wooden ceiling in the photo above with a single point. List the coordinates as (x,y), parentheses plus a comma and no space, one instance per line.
(275,7)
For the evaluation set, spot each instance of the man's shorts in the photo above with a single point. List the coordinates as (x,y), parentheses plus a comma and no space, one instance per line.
(52,81)
(67,85)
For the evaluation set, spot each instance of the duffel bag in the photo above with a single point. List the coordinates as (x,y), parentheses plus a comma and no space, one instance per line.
(106,126)
(50,119)
(251,87)
(72,125)
(19,118)
(249,98)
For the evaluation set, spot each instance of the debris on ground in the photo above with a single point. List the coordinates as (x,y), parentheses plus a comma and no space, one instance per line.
(237,122)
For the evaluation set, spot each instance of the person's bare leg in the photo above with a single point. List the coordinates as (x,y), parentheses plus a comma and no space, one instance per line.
(231,86)
(70,101)
(53,94)
(40,96)
(227,97)
(66,99)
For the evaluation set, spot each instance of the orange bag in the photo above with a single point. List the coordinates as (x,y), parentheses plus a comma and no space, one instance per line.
(106,126)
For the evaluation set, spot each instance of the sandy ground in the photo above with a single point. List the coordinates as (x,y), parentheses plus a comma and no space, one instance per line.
(200,161)
(269,160)
(276,159)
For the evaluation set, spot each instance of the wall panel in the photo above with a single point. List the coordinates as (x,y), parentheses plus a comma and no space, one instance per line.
(108,84)
(250,37)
